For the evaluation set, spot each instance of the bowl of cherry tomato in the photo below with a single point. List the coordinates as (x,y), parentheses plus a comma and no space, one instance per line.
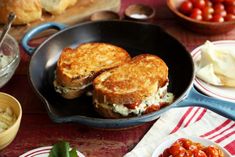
(189,146)
(205,16)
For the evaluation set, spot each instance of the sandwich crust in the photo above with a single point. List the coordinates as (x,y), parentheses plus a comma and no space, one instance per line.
(76,68)
(131,82)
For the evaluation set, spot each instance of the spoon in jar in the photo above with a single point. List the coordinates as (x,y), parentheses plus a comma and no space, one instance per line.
(6,28)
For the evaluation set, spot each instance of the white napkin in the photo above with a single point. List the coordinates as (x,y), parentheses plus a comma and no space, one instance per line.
(187,121)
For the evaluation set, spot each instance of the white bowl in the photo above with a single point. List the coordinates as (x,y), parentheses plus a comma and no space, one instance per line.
(10,51)
(167,143)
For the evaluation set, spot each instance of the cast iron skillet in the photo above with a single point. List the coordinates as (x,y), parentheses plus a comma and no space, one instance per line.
(136,38)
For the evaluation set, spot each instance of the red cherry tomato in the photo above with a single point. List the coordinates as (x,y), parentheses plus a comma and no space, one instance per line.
(222,13)
(166,153)
(207,13)
(208,3)
(192,1)
(213,151)
(199,153)
(176,150)
(196,14)
(217,1)
(230,9)
(132,106)
(207,17)
(196,11)
(188,154)
(186,7)
(152,108)
(218,7)
(199,4)
(208,10)
(229,2)
(229,17)
(193,147)
(217,18)
(186,143)
(196,17)
(198,145)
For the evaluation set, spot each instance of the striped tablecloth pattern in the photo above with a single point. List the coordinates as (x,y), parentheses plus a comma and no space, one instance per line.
(190,121)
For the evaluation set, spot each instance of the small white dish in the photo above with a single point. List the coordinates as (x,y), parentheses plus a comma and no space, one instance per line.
(167,143)
(224,93)
(42,152)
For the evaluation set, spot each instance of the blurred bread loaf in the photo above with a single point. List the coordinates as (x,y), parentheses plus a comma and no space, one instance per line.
(26,10)
(31,10)
(56,7)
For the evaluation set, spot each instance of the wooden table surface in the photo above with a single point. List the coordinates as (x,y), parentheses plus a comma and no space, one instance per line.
(38,130)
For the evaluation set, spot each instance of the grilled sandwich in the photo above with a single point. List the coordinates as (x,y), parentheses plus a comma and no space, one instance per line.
(132,89)
(76,68)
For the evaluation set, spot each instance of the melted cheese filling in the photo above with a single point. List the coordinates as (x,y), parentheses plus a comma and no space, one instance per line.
(62,89)
(161,96)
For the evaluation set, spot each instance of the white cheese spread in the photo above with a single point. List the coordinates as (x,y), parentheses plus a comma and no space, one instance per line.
(216,65)
(141,108)
(63,89)
(161,96)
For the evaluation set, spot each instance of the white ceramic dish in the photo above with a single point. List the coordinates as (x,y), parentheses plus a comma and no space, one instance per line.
(224,93)
(42,152)
(167,143)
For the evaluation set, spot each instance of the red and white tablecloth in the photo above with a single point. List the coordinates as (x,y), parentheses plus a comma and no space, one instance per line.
(189,121)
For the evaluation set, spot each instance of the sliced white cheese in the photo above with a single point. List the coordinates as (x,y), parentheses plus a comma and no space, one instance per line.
(216,65)
(207,74)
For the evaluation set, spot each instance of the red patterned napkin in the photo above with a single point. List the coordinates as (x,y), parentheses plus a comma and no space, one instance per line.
(189,121)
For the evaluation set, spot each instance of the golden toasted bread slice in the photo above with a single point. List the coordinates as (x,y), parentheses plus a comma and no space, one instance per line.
(76,68)
(132,81)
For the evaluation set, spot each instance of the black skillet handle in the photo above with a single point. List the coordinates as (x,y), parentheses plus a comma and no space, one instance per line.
(194,98)
(31,33)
